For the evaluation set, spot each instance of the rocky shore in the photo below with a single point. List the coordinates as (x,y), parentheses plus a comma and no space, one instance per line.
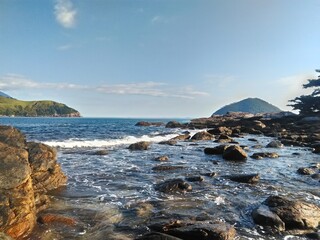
(28,170)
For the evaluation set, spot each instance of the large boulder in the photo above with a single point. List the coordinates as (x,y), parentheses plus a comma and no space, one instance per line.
(173,186)
(143,145)
(218,150)
(202,136)
(234,153)
(12,136)
(296,215)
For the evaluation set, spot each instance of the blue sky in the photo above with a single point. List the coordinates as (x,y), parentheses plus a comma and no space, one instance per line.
(157,58)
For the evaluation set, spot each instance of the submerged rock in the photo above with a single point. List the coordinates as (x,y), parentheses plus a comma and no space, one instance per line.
(245,178)
(166,168)
(195,179)
(173,186)
(275,144)
(169,142)
(139,146)
(235,153)
(306,171)
(261,155)
(162,158)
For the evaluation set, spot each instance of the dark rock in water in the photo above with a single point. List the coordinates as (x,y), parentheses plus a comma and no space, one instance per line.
(162,158)
(245,178)
(157,236)
(140,146)
(306,171)
(181,137)
(169,142)
(195,179)
(174,124)
(218,150)
(264,217)
(100,153)
(295,214)
(235,153)
(202,136)
(211,174)
(166,168)
(261,155)
(173,186)
(220,130)
(200,230)
(313,235)
(316,176)
(316,150)
(252,140)
(275,144)
(148,124)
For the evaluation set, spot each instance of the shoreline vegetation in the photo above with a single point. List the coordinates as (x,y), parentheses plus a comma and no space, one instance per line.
(31,169)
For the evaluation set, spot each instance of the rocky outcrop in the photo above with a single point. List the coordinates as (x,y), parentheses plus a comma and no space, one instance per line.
(149,124)
(234,153)
(283,214)
(27,172)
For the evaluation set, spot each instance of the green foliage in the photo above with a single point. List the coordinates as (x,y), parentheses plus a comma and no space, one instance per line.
(10,106)
(308,104)
(249,105)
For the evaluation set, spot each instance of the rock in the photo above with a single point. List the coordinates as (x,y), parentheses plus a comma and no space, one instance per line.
(306,171)
(166,168)
(218,150)
(174,124)
(264,217)
(313,235)
(252,140)
(261,155)
(157,236)
(102,152)
(316,176)
(220,130)
(245,178)
(195,179)
(202,136)
(275,144)
(235,153)
(201,231)
(4,237)
(295,214)
(139,146)
(12,137)
(56,218)
(211,174)
(148,124)
(316,150)
(162,158)
(169,142)
(182,137)
(173,186)
(144,209)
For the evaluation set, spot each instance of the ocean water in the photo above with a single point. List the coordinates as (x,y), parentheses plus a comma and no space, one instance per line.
(113,196)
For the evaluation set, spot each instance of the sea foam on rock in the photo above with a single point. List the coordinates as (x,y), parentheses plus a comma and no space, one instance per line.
(27,172)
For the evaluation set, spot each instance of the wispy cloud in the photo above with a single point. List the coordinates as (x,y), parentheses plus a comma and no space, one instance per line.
(65,13)
(153,89)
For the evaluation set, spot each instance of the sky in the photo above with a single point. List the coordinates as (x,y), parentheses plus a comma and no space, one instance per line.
(157,58)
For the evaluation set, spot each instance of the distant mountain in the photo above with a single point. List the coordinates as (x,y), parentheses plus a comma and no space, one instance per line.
(249,105)
(2,94)
(13,107)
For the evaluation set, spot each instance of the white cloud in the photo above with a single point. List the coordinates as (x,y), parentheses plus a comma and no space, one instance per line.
(65,13)
(153,89)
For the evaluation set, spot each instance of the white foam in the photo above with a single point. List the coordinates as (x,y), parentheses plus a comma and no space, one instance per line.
(74,142)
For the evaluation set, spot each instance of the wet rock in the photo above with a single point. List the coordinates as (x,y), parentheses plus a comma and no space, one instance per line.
(56,219)
(162,158)
(316,176)
(157,236)
(306,171)
(148,124)
(258,146)
(166,168)
(174,124)
(275,144)
(261,155)
(313,235)
(202,136)
(102,152)
(144,209)
(316,150)
(295,214)
(235,153)
(182,137)
(264,217)
(200,230)
(211,174)
(139,146)
(245,178)
(173,186)
(169,142)
(220,130)
(252,140)
(195,179)
(218,150)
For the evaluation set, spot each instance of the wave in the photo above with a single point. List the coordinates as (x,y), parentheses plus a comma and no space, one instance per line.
(82,143)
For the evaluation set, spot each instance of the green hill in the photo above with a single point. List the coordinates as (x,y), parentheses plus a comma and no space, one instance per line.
(249,105)
(14,107)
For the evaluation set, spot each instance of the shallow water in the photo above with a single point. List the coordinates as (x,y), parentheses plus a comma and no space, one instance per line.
(113,196)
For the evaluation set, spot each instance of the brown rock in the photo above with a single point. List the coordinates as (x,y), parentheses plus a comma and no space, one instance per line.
(56,218)
(140,146)
(166,168)
(261,155)
(235,153)
(169,142)
(12,137)
(306,171)
(173,186)
(245,178)
(162,158)
(182,137)
(174,124)
(148,124)
(218,150)
(202,136)
(264,217)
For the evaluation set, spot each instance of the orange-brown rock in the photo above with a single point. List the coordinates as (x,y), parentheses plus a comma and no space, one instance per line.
(56,219)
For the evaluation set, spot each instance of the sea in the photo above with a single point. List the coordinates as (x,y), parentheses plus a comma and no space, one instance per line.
(113,196)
